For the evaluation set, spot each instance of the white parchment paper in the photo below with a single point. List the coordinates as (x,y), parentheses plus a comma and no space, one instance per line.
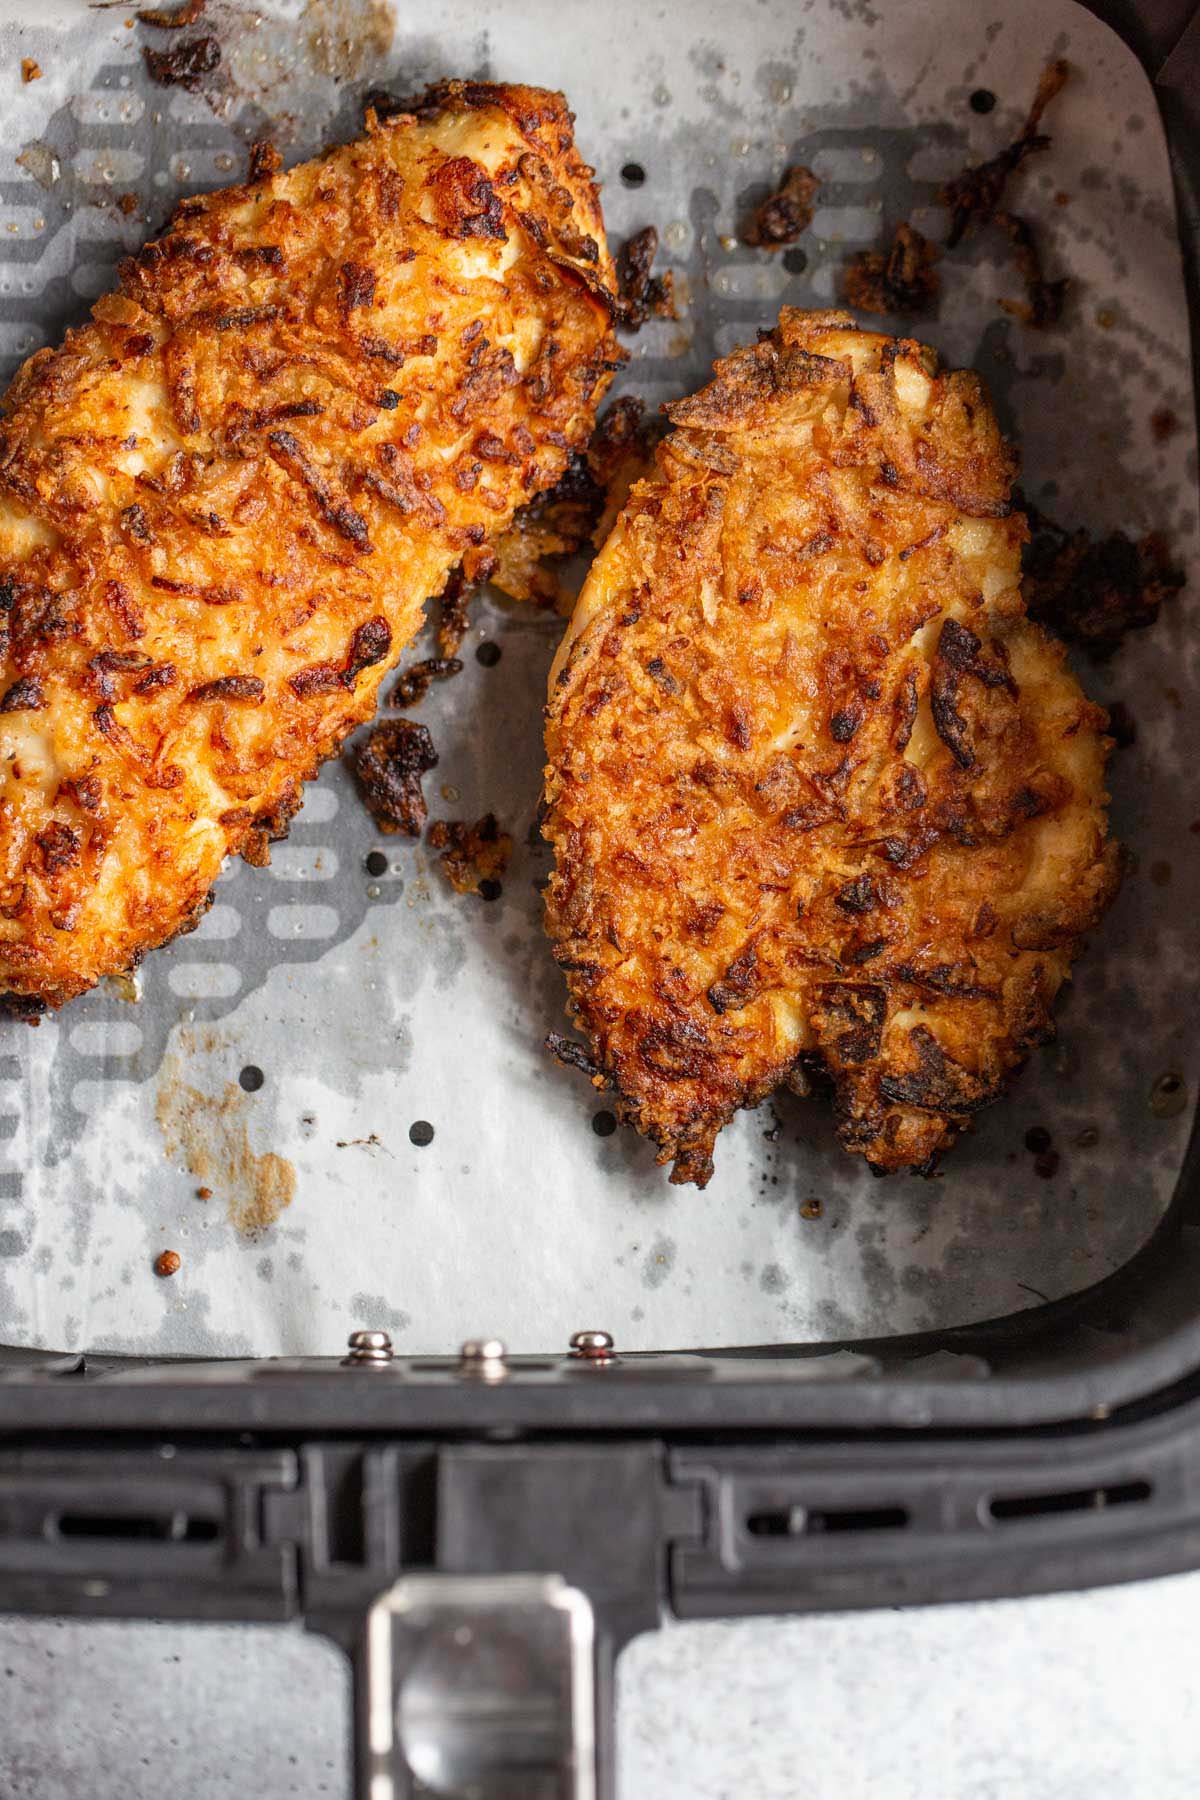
(371,1002)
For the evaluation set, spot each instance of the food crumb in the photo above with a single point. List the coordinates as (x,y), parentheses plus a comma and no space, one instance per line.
(473,856)
(901,281)
(128,204)
(415,682)
(204,1193)
(30,70)
(641,295)
(786,213)
(390,765)
(811,1209)
(1094,592)
(168,1262)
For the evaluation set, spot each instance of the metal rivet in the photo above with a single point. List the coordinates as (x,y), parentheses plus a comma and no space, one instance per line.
(368,1350)
(483,1359)
(593,1346)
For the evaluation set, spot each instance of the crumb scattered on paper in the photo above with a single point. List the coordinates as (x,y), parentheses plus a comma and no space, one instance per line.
(474,857)
(1094,591)
(390,764)
(641,294)
(413,683)
(786,213)
(902,280)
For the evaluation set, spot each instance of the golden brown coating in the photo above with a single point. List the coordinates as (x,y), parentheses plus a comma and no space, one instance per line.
(821,797)
(224,501)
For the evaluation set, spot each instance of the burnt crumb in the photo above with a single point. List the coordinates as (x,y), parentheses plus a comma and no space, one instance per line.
(619,432)
(1046,1165)
(385,105)
(85,790)
(555,525)
(1164,423)
(166,1263)
(171,19)
(413,684)
(974,196)
(784,214)
(573,1056)
(1094,592)
(1043,302)
(389,764)
(265,161)
(456,600)
(356,287)
(473,856)
(857,896)
(1038,1139)
(25,695)
(579,509)
(1122,726)
(59,846)
(641,295)
(901,281)
(229,687)
(738,985)
(186,65)
(467,204)
(369,645)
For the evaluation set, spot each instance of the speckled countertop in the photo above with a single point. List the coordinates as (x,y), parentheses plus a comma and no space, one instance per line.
(1075,1697)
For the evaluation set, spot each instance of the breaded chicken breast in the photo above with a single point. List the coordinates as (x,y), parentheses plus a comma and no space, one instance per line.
(824,802)
(225,500)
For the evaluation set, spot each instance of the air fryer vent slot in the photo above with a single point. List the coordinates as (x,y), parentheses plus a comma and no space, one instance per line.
(1095,1499)
(166,1528)
(806,1521)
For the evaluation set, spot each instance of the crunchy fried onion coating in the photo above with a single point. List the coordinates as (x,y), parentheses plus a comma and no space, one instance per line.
(822,798)
(224,501)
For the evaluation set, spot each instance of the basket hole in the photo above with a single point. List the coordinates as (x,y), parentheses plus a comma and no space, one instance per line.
(171,1528)
(806,1521)
(1094,1499)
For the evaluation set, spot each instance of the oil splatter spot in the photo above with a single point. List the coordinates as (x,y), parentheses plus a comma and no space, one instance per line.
(347,37)
(660,1260)
(374,1314)
(12,1243)
(773,1279)
(210,1132)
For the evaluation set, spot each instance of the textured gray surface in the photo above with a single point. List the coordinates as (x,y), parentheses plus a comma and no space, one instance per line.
(370,1003)
(1076,1697)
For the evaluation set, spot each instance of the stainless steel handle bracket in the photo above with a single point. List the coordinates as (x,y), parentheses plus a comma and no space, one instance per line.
(480,1687)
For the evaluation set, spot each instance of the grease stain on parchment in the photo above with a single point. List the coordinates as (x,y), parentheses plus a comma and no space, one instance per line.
(210,1132)
(346,38)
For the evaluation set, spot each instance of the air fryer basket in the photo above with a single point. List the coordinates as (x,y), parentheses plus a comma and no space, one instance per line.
(560,1502)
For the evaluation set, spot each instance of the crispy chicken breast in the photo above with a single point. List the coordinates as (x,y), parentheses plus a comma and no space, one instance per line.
(225,500)
(824,803)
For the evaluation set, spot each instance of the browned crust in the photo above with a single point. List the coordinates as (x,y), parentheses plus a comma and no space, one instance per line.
(225,500)
(820,795)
